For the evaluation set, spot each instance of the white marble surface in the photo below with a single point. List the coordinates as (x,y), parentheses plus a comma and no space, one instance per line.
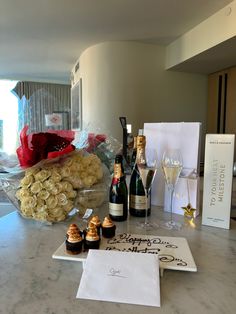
(6,208)
(32,282)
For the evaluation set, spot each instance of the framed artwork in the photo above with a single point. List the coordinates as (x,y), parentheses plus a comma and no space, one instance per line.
(76,106)
(64,118)
(58,120)
(54,119)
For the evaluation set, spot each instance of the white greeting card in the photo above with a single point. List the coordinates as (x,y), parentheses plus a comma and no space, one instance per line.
(122,277)
(218,176)
(186,137)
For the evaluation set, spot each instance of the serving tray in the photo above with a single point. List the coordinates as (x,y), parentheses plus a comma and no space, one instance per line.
(173,252)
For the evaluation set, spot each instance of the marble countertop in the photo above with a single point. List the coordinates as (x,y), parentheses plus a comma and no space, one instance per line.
(32,282)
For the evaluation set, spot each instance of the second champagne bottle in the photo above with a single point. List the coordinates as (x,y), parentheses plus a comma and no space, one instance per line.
(137,201)
(118,196)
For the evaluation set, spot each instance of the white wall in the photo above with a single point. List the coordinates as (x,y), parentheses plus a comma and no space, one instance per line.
(215,30)
(129,79)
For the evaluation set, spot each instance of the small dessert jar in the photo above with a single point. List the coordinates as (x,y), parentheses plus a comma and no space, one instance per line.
(92,239)
(73,229)
(108,228)
(96,221)
(90,226)
(74,244)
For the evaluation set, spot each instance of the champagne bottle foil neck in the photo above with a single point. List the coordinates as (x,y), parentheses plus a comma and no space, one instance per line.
(141,141)
(140,158)
(118,173)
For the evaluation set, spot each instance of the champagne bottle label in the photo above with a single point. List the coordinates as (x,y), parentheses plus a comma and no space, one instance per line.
(116,209)
(139,202)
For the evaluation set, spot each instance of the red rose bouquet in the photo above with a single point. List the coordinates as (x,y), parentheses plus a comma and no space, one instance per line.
(38,146)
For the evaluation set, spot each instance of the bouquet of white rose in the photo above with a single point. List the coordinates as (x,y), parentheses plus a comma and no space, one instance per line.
(54,177)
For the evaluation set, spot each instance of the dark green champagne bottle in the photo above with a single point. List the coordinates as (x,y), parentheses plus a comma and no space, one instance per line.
(137,199)
(118,196)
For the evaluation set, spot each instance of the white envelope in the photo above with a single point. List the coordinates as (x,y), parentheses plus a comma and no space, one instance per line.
(122,277)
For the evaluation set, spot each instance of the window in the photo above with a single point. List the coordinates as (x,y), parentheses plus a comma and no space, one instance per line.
(8,117)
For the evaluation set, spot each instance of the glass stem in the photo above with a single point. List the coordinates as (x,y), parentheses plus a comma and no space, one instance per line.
(146,211)
(171,204)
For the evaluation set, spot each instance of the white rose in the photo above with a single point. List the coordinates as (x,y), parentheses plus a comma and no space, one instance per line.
(49,185)
(29,202)
(51,202)
(42,175)
(36,187)
(23,192)
(56,177)
(62,199)
(27,181)
(57,189)
(43,194)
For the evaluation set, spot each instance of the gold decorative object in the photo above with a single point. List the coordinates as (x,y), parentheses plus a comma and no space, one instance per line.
(189,210)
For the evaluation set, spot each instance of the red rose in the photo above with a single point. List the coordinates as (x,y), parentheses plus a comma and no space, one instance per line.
(94,141)
(38,146)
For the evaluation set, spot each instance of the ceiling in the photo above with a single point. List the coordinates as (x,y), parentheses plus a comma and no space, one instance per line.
(41,40)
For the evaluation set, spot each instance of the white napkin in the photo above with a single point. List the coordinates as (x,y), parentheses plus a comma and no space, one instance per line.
(122,277)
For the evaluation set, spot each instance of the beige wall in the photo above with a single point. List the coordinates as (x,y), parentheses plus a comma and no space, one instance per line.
(129,79)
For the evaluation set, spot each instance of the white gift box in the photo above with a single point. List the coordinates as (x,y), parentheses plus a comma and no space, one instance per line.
(218,176)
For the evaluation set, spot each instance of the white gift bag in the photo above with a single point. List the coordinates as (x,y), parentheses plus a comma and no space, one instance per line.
(186,137)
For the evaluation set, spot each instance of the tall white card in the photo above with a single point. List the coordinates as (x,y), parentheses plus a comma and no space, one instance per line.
(186,137)
(218,176)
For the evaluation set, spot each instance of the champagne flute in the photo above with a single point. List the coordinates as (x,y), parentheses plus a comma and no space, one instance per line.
(147,173)
(172,164)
